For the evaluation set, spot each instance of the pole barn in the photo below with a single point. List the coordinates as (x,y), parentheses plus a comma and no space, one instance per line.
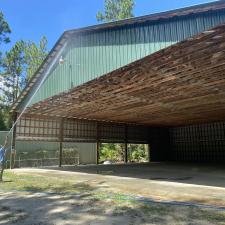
(157,79)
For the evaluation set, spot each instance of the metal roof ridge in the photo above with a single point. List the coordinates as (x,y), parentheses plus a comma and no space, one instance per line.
(151,17)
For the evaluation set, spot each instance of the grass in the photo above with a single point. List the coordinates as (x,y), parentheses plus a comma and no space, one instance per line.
(100,199)
(38,183)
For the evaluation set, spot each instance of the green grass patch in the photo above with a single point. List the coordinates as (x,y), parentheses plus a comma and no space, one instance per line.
(38,183)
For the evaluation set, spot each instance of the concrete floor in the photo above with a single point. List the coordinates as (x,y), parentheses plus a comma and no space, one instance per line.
(186,173)
(200,183)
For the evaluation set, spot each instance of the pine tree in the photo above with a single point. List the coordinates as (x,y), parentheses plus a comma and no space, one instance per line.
(116,10)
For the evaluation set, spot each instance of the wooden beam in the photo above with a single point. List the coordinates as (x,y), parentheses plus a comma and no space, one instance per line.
(149,144)
(126,148)
(97,152)
(97,144)
(61,142)
(13,150)
(149,152)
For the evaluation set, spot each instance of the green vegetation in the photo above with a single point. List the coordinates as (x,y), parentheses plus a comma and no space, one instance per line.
(34,55)
(116,10)
(115,152)
(12,66)
(137,153)
(112,152)
(39,183)
(5,30)
(2,122)
(17,66)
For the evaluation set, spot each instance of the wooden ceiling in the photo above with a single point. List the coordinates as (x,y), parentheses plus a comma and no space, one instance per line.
(182,84)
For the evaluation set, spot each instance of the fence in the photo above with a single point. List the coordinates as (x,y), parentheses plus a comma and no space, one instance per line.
(20,163)
(86,151)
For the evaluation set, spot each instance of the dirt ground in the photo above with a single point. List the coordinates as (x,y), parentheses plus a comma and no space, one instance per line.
(165,181)
(103,192)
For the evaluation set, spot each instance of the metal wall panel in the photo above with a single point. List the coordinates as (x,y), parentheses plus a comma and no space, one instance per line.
(203,142)
(86,151)
(90,55)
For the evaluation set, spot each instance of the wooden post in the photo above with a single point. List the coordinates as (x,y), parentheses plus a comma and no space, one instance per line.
(60,142)
(149,145)
(126,157)
(19,161)
(13,145)
(125,153)
(60,154)
(149,153)
(97,145)
(97,152)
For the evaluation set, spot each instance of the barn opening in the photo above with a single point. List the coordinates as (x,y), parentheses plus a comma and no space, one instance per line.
(115,153)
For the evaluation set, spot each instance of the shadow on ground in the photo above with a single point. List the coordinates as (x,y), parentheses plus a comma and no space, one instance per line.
(38,208)
(187,173)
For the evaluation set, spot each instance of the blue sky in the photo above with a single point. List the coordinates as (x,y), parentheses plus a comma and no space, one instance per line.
(31,19)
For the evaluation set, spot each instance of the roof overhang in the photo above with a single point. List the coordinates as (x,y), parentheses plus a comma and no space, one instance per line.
(182,84)
(202,8)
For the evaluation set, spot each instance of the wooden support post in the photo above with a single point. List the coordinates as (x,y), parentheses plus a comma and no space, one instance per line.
(149,152)
(125,153)
(60,154)
(149,146)
(13,144)
(126,156)
(97,145)
(97,152)
(60,142)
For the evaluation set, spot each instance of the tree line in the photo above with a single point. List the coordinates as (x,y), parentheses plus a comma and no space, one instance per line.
(17,66)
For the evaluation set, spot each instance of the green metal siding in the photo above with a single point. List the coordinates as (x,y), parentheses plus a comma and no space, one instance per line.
(90,55)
